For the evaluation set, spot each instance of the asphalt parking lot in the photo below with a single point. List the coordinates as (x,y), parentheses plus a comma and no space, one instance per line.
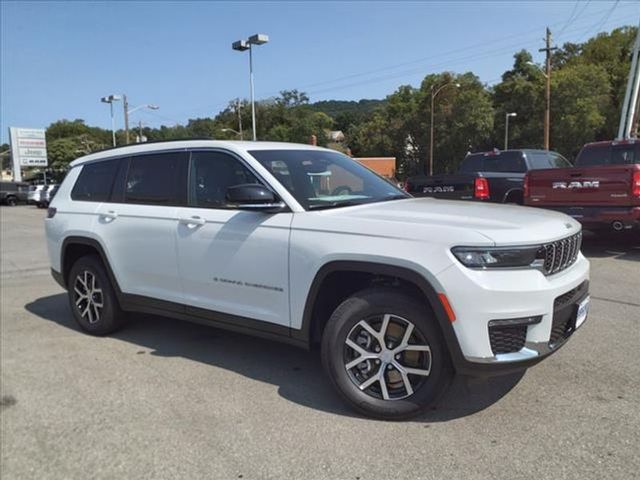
(167,399)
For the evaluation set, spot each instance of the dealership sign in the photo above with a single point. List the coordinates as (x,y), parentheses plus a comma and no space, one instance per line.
(28,147)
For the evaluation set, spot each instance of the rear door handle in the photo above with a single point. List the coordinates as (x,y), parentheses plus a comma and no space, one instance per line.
(192,221)
(110,215)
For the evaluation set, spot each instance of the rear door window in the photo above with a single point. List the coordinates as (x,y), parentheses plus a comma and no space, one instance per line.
(157,179)
(95,181)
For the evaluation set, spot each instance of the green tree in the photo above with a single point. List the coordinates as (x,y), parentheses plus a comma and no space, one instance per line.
(521,91)
(463,119)
(612,52)
(5,152)
(579,108)
(68,140)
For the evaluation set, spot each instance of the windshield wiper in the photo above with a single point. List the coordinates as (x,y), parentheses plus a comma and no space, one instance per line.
(399,196)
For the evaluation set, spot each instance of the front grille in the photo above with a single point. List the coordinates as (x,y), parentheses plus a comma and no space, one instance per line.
(560,254)
(507,339)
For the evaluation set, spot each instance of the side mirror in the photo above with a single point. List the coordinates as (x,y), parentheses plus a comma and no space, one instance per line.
(251,196)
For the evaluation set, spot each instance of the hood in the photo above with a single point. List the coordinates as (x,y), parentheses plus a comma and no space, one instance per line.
(500,224)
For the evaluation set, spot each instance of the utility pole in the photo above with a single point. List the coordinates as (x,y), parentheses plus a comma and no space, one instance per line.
(547,108)
(631,98)
(125,103)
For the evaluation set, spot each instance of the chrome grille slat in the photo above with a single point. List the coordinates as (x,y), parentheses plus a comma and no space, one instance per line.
(561,254)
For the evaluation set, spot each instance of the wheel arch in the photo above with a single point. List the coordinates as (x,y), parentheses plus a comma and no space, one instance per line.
(518,193)
(74,247)
(311,326)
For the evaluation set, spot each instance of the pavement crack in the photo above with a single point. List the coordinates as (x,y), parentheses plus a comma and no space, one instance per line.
(620,302)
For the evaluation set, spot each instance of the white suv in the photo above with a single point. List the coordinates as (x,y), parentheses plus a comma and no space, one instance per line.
(305,245)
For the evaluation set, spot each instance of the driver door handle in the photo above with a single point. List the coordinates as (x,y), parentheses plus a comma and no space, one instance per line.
(192,221)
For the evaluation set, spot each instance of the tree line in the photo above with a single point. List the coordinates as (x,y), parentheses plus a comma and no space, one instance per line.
(588,86)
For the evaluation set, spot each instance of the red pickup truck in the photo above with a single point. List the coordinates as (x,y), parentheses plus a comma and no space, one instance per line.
(601,191)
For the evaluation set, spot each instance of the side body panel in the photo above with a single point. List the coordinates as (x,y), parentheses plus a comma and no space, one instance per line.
(140,243)
(237,262)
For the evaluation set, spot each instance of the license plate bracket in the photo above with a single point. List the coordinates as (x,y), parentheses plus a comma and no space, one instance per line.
(582,310)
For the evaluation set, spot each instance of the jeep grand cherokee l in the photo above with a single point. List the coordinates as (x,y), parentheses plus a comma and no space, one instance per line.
(304,245)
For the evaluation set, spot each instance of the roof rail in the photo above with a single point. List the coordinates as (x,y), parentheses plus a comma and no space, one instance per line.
(108,149)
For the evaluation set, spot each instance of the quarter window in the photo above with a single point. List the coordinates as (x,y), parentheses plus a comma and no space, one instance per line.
(211,174)
(95,181)
(157,179)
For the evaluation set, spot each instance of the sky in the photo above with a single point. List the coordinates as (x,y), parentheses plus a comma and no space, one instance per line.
(58,58)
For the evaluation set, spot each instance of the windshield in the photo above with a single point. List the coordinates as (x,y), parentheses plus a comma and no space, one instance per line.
(323,179)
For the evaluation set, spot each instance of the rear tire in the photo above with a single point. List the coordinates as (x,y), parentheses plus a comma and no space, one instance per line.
(394,381)
(92,298)
(12,201)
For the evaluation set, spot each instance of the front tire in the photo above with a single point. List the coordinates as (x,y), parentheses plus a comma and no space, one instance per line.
(12,201)
(92,298)
(385,355)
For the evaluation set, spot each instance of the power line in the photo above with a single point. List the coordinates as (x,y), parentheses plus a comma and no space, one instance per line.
(573,12)
(477,56)
(416,70)
(598,25)
(442,54)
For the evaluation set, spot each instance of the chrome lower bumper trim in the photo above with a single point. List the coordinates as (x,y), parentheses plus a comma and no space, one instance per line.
(530,351)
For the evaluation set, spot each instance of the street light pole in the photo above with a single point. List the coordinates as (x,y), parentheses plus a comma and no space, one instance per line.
(433,97)
(113,125)
(433,101)
(110,99)
(241,46)
(506,128)
(253,103)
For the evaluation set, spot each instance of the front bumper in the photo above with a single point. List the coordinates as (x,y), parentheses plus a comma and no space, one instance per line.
(478,297)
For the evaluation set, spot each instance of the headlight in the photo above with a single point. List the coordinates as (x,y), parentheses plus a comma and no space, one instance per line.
(500,257)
